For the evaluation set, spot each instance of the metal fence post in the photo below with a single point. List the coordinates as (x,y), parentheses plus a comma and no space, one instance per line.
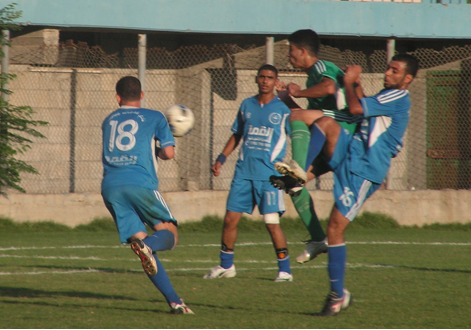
(141,67)
(270,50)
(390,49)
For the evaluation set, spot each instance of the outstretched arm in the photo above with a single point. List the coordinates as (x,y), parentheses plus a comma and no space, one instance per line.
(283,94)
(326,87)
(228,149)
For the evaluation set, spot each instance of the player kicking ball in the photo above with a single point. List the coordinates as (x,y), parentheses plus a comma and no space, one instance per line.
(325,96)
(130,185)
(262,126)
(359,161)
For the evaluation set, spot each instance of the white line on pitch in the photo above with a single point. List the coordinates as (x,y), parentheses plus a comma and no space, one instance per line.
(72,271)
(239,269)
(238,244)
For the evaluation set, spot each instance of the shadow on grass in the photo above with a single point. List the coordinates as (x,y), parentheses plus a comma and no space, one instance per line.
(27,293)
(161,310)
(35,293)
(428,269)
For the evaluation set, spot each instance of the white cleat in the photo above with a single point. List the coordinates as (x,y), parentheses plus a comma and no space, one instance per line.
(284,277)
(145,254)
(180,308)
(219,272)
(292,169)
(313,249)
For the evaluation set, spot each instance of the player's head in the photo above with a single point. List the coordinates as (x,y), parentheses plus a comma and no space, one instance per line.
(268,67)
(401,71)
(304,46)
(412,64)
(128,89)
(267,78)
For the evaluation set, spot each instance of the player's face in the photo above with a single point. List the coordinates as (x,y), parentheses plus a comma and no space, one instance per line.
(396,76)
(266,81)
(296,57)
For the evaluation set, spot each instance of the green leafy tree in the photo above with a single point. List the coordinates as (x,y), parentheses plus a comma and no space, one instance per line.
(16,123)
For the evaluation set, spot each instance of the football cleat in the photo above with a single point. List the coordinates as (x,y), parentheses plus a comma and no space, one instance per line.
(180,308)
(313,249)
(145,254)
(284,277)
(334,304)
(292,169)
(219,272)
(290,185)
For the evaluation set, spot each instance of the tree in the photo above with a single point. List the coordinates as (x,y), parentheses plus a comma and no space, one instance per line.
(16,123)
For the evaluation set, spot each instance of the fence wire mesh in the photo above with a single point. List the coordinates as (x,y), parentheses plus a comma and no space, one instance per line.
(73,89)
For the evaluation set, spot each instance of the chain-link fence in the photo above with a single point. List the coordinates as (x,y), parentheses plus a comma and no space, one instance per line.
(73,89)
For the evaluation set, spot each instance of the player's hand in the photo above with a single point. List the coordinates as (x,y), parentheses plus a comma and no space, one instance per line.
(216,168)
(352,74)
(293,89)
(280,86)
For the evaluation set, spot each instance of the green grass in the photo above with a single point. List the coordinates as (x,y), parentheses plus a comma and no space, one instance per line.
(54,276)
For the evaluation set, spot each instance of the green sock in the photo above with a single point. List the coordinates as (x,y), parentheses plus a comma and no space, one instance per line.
(304,205)
(300,136)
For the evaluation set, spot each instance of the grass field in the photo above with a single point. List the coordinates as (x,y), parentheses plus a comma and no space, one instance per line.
(54,277)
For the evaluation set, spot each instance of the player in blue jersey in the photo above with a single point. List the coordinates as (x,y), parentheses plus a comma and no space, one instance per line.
(262,128)
(130,185)
(325,95)
(361,161)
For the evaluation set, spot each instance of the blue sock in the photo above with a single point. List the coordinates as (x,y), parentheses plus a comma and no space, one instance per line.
(227,259)
(162,283)
(336,267)
(315,145)
(284,265)
(160,240)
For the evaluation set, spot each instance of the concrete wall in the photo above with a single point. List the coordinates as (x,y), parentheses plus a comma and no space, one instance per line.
(407,207)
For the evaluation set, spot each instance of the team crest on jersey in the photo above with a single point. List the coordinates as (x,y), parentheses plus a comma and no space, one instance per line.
(275,118)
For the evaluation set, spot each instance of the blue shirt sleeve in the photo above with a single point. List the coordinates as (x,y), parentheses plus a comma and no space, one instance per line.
(238,126)
(385,103)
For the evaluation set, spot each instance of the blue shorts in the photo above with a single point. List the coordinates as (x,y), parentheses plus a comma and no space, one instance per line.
(245,194)
(350,190)
(132,207)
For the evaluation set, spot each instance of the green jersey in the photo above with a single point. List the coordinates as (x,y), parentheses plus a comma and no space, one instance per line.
(334,106)
(320,70)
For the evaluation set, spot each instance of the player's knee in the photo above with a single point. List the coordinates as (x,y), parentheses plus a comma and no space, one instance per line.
(324,122)
(271,219)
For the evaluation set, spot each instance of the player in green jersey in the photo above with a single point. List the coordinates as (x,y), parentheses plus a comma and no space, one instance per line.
(325,95)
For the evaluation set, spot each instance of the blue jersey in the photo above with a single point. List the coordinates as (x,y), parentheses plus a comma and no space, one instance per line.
(264,130)
(129,136)
(380,136)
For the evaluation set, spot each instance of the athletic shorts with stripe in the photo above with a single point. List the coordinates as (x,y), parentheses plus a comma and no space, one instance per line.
(245,194)
(350,190)
(133,206)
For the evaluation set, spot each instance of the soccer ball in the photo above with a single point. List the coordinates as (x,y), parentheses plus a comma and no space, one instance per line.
(180,119)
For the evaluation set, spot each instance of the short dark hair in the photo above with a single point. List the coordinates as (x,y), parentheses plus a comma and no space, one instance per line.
(412,64)
(129,88)
(307,39)
(268,67)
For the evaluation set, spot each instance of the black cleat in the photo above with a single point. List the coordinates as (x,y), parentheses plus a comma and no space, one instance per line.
(290,185)
(334,304)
